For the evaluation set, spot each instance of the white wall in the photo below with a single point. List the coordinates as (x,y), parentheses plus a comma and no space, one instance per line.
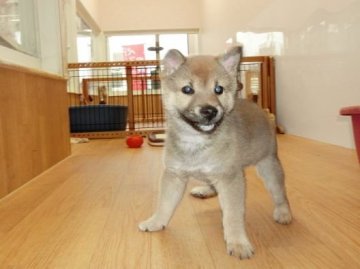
(317,55)
(88,11)
(317,66)
(92,6)
(130,15)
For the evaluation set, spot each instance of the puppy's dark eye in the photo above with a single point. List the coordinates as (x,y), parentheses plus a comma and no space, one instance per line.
(218,89)
(187,90)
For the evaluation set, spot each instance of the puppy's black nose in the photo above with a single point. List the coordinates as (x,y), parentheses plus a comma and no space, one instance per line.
(208,112)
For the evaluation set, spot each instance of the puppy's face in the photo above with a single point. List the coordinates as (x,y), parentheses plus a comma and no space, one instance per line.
(200,90)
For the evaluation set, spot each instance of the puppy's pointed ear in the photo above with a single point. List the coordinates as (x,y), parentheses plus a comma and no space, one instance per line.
(231,59)
(172,61)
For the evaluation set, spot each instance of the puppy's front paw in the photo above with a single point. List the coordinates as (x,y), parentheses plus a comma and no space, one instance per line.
(241,250)
(151,225)
(282,214)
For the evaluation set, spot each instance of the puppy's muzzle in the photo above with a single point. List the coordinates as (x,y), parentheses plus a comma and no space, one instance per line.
(208,112)
(204,119)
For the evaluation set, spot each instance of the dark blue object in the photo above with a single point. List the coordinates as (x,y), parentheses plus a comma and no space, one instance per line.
(97,118)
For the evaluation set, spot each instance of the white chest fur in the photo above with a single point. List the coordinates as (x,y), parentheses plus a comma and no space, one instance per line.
(198,155)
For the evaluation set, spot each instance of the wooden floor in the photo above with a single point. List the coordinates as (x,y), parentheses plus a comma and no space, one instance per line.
(83,213)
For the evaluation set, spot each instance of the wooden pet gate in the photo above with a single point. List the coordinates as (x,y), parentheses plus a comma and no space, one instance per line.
(114,99)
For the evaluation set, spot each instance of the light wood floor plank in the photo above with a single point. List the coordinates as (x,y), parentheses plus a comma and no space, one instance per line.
(83,213)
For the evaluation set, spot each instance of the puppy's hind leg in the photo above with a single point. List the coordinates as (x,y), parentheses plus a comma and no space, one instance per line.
(272,173)
(203,192)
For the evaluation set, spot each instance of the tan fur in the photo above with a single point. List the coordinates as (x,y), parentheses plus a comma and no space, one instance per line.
(215,150)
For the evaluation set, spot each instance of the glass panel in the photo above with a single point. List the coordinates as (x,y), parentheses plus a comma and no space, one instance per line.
(268,43)
(18,26)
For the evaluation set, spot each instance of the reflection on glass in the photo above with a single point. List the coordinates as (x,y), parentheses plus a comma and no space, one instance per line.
(271,43)
(18,26)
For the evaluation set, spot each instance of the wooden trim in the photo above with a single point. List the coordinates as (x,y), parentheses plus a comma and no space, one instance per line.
(32,71)
(255,59)
(265,84)
(115,134)
(112,64)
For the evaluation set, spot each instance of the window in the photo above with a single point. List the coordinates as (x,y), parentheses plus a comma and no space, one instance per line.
(130,47)
(173,41)
(137,47)
(141,46)
(18,26)
(83,41)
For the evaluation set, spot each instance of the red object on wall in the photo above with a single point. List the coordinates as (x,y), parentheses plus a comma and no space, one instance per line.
(134,141)
(354,112)
(136,52)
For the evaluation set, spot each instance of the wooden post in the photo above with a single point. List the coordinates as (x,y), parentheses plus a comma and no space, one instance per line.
(272,85)
(265,83)
(85,92)
(130,93)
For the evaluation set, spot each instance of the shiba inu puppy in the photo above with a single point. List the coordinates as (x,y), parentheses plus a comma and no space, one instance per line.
(212,135)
